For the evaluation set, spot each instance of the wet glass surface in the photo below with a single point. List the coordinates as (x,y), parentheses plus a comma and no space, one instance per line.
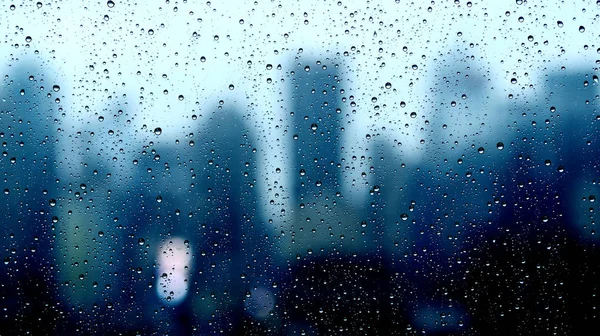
(299,168)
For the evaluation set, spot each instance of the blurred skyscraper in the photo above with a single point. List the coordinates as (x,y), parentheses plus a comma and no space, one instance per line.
(323,221)
(28,133)
(571,153)
(198,222)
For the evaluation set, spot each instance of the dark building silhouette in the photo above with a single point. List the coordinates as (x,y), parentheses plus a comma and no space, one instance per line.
(316,117)
(536,275)
(28,113)
(339,280)
(572,155)
(202,190)
(323,221)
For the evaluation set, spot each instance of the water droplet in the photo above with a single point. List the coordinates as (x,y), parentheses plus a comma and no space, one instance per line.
(141,241)
(231,87)
(581,29)
(404,216)
(480,150)
(388,85)
(180,97)
(560,24)
(413,115)
(55,88)
(159,199)
(158,131)
(513,81)
(150,31)
(415,67)
(307,68)
(500,145)
(39,5)
(314,127)
(28,39)
(110,4)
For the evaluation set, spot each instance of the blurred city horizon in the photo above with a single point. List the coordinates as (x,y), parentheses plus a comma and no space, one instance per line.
(297,188)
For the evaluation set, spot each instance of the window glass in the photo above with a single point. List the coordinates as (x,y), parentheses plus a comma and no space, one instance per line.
(299,167)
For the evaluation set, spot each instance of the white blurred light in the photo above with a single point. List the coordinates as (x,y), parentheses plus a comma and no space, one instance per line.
(174,260)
